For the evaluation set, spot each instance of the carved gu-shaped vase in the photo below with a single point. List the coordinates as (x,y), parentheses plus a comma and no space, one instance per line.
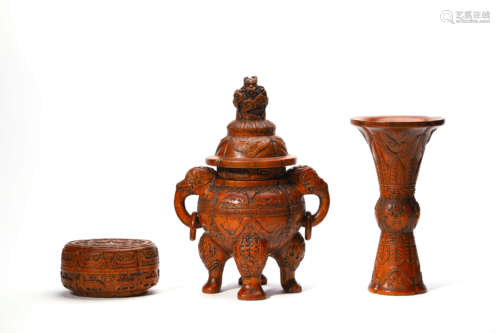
(251,207)
(397,144)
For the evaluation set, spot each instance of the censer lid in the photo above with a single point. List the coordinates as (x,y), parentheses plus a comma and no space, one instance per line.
(251,141)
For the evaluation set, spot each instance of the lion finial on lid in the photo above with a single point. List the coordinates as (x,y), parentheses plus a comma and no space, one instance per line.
(250,100)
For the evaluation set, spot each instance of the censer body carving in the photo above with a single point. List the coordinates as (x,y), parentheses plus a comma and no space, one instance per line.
(251,207)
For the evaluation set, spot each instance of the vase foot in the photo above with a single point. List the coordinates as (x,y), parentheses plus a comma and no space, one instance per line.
(381,291)
(397,268)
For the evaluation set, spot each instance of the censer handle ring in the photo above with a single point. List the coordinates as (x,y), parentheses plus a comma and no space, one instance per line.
(194,225)
(308,225)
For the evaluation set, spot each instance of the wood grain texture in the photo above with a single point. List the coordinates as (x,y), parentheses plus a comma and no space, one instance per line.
(109,267)
(251,207)
(397,144)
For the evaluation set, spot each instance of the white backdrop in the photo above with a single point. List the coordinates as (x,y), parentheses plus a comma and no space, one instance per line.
(104,106)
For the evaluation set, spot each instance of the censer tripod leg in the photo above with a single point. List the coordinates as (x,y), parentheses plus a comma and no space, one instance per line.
(250,254)
(214,257)
(289,258)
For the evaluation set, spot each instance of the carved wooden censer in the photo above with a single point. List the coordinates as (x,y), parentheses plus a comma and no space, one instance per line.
(251,207)
(397,144)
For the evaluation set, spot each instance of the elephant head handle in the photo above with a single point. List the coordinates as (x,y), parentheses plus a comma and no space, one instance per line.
(196,182)
(307,181)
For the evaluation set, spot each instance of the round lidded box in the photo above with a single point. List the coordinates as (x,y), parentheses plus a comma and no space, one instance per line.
(109,267)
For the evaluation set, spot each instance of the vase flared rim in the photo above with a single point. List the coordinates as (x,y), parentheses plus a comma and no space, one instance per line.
(397,121)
